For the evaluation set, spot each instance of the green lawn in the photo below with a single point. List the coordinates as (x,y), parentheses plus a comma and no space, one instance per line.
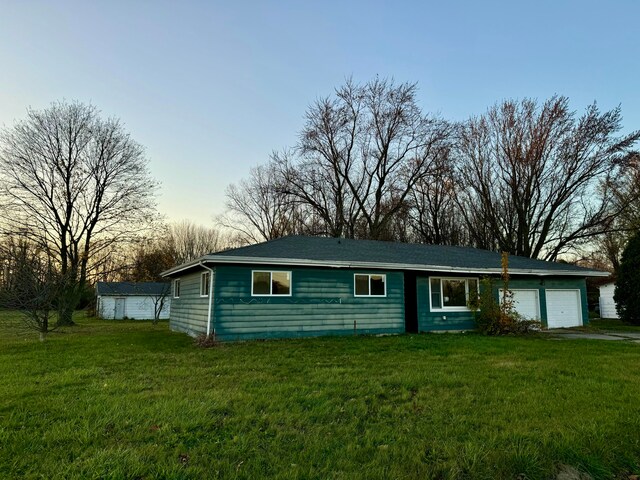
(133,400)
(610,325)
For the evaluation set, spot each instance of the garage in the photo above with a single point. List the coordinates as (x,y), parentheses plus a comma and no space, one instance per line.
(607,303)
(526,303)
(563,308)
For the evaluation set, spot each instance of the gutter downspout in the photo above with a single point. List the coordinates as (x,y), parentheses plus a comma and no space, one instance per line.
(210,297)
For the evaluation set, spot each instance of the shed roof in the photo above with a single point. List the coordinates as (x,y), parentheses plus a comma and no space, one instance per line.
(349,253)
(133,288)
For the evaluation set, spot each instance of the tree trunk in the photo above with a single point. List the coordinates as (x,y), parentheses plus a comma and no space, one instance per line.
(43,336)
(65,316)
(68,301)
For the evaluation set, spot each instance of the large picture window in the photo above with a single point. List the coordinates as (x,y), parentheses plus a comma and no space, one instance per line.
(370,285)
(205,284)
(452,293)
(268,283)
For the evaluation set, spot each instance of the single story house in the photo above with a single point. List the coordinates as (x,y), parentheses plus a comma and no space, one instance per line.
(607,304)
(308,286)
(133,300)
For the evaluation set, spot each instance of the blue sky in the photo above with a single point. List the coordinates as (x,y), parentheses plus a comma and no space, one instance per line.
(211,88)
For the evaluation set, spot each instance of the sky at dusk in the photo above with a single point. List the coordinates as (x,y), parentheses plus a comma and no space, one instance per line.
(212,88)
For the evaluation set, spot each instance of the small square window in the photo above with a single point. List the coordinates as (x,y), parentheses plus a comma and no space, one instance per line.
(370,285)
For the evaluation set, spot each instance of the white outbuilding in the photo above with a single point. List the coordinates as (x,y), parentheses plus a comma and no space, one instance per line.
(607,304)
(133,300)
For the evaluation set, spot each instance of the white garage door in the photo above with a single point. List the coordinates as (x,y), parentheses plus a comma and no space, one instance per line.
(526,303)
(607,304)
(563,308)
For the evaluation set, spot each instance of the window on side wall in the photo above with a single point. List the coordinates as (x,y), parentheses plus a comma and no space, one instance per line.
(452,293)
(176,288)
(205,284)
(369,285)
(267,283)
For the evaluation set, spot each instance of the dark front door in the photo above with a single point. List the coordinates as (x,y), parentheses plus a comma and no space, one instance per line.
(410,303)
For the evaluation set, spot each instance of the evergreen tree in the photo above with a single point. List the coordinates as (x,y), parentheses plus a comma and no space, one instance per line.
(627,293)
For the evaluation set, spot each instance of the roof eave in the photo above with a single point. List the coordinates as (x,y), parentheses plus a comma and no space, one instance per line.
(116,294)
(221,259)
(184,266)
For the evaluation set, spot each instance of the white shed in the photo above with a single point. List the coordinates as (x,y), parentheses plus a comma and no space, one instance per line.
(607,305)
(134,301)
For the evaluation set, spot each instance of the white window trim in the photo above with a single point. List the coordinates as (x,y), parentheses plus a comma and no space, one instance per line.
(176,288)
(466,292)
(271,272)
(202,275)
(383,275)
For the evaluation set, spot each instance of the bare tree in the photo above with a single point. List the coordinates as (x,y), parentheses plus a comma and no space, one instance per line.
(35,289)
(14,252)
(160,301)
(169,245)
(149,261)
(259,209)
(183,241)
(115,264)
(361,154)
(75,184)
(625,188)
(536,178)
(315,172)
(435,215)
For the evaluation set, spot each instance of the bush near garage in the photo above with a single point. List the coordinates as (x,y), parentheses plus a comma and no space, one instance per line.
(627,292)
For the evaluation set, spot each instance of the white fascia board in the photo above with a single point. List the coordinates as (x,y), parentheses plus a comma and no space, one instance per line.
(184,266)
(131,295)
(381,266)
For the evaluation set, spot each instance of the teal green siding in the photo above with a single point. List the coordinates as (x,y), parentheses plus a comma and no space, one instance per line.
(442,320)
(322,303)
(439,320)
(189,312)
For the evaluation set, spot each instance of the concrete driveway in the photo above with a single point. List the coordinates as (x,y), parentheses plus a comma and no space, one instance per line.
(566,334)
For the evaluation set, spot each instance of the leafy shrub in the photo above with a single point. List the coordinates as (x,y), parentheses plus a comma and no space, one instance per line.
(627,293)
(495,318)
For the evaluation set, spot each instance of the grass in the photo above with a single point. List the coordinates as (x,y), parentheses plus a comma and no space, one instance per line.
(132,400)
(610,325)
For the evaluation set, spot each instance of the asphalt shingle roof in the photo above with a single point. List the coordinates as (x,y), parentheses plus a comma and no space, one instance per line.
(371,251)
(132,288)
